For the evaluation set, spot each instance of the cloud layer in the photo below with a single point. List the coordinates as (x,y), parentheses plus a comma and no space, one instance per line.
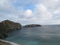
(31,11)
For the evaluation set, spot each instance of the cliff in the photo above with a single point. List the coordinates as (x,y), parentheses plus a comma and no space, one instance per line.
(8,26)
(32,25)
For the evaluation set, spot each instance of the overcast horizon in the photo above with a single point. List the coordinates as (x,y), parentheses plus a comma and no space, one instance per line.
(44,12)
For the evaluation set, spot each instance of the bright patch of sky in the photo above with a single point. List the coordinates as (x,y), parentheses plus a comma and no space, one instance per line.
(31,11)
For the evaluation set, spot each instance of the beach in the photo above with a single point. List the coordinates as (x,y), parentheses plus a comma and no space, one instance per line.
(3,42)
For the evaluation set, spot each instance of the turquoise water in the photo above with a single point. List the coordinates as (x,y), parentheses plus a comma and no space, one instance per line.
(45,35)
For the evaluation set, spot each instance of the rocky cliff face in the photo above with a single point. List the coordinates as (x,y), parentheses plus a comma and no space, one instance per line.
(8,26)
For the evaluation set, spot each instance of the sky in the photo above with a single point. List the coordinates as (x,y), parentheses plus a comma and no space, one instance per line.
(44,12)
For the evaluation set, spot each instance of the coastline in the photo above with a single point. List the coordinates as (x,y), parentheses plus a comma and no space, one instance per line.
(3,42)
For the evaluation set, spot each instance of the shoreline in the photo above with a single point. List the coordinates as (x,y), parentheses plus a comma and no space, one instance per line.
(3,42)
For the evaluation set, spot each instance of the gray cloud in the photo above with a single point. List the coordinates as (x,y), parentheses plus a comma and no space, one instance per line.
(46,11)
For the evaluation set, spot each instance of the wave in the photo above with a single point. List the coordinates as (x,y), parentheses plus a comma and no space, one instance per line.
(12,43)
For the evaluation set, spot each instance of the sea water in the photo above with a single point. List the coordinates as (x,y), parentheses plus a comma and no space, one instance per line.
(45,35)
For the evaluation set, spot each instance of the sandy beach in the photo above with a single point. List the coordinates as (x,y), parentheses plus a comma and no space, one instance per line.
(3,42)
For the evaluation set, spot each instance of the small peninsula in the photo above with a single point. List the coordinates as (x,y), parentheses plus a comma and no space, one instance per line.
(32,25)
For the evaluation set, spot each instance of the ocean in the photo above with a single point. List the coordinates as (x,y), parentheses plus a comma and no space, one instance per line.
(44,35)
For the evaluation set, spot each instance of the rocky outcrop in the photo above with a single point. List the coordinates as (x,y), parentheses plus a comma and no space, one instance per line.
(32,25)
(8,26)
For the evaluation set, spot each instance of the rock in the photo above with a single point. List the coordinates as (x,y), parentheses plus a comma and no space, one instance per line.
(8,26)
(32,25)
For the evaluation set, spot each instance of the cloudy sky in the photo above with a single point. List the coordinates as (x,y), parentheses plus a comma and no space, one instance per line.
(31,11)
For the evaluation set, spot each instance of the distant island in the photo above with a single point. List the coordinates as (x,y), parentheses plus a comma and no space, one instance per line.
(32,25)
(8,26)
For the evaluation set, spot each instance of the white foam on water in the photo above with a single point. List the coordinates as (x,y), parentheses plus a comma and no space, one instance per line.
(12,43)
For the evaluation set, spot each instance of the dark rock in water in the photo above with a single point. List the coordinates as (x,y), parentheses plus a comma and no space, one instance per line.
(32,25)
(8,26)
